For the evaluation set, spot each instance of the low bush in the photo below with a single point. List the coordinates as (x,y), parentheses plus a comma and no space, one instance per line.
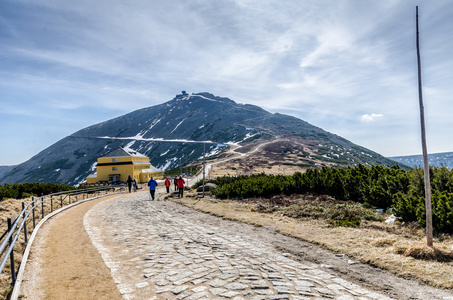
(24,190)
(376,187)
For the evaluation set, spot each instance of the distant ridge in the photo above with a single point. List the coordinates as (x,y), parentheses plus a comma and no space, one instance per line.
(434,159)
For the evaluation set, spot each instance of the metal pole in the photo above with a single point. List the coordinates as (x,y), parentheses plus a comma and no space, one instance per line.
(51,203)
(33,210)
(11,256)
(61,200)
(429,216)
(42,207)
(25,222)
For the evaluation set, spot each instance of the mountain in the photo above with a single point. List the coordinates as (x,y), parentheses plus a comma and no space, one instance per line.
(174,133)
(434,159)
(5,170)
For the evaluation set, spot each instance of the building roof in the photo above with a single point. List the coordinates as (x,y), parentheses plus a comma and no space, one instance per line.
(123,151)
(151,170)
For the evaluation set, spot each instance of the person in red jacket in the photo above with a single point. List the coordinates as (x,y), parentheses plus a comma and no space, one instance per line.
(180,183)
(167,184)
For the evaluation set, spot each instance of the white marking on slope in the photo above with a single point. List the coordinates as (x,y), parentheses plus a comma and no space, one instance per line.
(140,138)
(177,126)
(203,97)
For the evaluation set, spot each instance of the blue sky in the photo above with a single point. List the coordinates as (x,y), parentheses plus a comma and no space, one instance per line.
(348,67)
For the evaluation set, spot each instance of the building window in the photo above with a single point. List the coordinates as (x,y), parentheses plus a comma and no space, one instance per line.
(114,168)
(114,159)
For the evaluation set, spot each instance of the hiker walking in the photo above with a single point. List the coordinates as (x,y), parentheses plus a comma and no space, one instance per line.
(175,181)
(134,184)
(167,184)
(129,182)
(180,183)
(152,187)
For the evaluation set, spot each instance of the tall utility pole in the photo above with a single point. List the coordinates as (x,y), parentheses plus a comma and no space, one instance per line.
(429,216)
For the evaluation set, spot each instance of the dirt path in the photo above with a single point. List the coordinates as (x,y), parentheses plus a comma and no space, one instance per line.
(73,267)
(236,155)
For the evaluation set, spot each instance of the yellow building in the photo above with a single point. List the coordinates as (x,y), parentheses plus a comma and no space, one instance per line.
(118,164)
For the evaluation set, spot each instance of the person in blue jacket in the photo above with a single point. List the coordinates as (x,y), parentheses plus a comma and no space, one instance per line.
(152,187)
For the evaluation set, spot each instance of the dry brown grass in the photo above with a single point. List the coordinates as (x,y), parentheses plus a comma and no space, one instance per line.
(393,247)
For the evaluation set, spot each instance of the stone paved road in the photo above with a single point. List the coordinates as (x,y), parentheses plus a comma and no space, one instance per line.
(156,251)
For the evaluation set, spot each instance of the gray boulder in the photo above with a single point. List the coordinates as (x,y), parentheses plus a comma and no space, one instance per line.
(207,187)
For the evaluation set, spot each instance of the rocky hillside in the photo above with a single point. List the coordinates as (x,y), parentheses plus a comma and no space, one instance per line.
(174,132)
(5,170)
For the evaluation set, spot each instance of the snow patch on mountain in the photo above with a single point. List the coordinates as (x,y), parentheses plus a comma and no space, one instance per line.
(177,126)
(203,97)
(140,138)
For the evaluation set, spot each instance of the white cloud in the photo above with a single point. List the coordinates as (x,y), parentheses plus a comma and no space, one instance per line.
(370,117)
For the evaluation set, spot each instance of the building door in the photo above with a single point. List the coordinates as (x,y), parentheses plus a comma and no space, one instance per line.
(116,179)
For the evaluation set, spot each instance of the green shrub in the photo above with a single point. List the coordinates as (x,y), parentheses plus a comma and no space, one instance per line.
(410,208)
(27,189)
(375,186)
(354,222)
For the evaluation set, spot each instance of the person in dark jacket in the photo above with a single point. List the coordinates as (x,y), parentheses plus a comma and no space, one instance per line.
(129,183)
(175,181)
(134,185)
(152,187)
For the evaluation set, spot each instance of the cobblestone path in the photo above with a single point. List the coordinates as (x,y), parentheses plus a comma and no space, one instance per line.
(156,251)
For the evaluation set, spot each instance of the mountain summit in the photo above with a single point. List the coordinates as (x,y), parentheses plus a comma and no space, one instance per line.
(175,132)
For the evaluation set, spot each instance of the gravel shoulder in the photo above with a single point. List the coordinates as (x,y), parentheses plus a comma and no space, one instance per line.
(63,262)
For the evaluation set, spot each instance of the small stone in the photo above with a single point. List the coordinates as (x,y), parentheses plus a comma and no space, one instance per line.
(217,283)
(281,283)
(179,289)
(197,296)
(199,281)
(303,283)
(217,291)
(229,294)
(236,286)
(141,284)
(277,297)
(264,292)
(283,290)
(345,297)
(259,287)
(324,291)
(126,290)
(326,266)
(258,298)
(183,295)
(199,289)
